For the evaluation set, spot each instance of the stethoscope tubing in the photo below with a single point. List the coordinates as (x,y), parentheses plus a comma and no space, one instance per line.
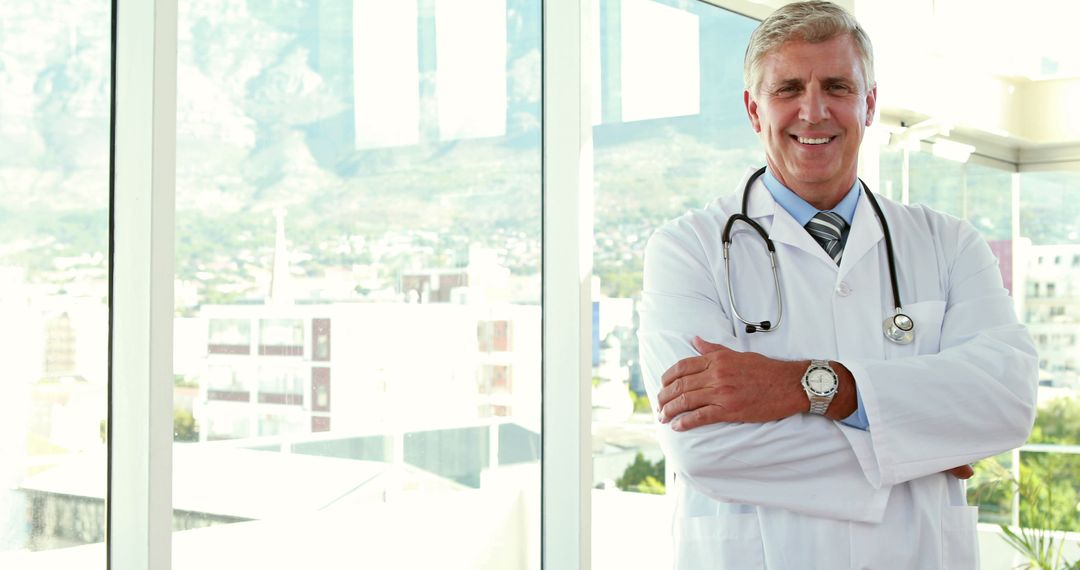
(888,245)
(745,218)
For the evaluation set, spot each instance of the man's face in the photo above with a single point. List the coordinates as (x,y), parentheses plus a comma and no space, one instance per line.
(810,109)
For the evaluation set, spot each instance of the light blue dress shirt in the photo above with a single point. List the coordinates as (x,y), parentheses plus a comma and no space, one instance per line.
(802,211)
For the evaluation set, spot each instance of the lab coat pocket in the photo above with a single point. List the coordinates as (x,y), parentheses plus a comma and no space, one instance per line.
(927,316)
(719,542)
(959,540)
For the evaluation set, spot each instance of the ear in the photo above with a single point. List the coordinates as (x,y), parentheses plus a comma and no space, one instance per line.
(871,105)
(752,111)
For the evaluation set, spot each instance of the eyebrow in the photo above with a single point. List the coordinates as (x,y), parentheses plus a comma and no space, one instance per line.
(799,83)
(838,79)
(793,82)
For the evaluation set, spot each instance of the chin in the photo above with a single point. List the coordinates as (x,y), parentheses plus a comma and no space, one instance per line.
(812,177)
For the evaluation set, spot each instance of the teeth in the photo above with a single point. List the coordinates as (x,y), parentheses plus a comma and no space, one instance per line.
(814,141)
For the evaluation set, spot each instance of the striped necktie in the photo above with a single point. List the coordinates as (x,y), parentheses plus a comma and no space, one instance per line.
(827,228)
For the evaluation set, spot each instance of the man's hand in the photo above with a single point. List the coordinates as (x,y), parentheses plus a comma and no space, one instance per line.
(962,472)
(723,385)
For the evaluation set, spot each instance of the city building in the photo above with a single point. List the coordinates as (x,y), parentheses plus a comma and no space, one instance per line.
(1052,312)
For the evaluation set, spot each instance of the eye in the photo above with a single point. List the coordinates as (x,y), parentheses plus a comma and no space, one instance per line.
(838,88)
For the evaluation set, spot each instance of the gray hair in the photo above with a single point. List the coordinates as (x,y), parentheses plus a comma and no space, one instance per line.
(814,22)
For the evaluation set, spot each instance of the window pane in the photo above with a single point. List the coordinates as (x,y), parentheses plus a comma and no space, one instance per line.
(1047,260)
(671,134)
(54,245)
(1047,265)
(979,194)
(1049,253)
(358,283)
(982,196)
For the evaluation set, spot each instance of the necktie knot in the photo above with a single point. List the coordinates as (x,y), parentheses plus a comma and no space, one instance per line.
(828,228)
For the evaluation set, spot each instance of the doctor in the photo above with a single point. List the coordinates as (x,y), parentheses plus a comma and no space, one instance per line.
(820,443)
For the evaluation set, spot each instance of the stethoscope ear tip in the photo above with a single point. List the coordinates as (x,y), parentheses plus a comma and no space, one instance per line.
(763,326)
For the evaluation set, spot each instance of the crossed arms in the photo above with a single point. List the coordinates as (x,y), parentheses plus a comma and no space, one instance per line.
(736,430)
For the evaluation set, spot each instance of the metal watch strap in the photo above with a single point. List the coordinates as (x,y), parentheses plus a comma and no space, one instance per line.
(819,404)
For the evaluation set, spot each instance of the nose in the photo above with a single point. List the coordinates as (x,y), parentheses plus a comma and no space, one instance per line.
(813,106)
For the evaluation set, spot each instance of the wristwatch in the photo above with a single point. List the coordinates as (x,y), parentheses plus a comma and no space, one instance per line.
(820,382)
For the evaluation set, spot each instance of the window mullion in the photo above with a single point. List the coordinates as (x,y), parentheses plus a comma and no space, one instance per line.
(141,300)
(567,275)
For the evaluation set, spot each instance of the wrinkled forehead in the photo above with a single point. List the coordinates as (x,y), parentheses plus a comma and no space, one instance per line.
(797,59)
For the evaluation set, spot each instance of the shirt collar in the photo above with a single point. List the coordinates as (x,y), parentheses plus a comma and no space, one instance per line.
(800,209)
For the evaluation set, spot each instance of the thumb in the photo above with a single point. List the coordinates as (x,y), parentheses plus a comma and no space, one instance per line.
(704,347)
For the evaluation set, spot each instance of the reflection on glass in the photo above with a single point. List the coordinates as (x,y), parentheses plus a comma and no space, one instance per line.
(54,170)
(358,239)
(979,194)
(671,133)
(659,78)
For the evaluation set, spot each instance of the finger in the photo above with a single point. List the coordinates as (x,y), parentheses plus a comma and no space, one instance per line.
(679,404)
(684,367)
(704,415)
(683,385)
(688,401)
(671,391)
(705,347)
(962,472)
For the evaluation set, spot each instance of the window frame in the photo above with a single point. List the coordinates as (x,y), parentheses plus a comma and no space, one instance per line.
(566,353)
(142,219)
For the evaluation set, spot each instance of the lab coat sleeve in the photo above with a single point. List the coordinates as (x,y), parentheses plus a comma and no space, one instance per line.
(974,398)
(857,419)
(799,463)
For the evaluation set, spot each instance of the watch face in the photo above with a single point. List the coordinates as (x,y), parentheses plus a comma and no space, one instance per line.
(821,382)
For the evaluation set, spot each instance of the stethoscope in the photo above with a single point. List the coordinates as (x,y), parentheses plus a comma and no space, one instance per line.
(898,328)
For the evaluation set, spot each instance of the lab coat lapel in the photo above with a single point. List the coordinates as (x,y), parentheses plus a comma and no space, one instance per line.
(865,234)
(784,228)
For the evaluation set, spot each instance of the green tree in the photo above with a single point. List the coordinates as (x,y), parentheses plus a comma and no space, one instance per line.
(185,428)
(1058,422)
(1054,476)
(1049,483)
(641,403)
(643,476)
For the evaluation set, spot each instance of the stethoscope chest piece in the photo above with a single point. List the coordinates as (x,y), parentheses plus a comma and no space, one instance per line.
(899,328)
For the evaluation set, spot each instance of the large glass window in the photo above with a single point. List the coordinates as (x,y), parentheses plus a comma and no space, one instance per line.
(54,287)
(372,168)
(670,133)
(369,168)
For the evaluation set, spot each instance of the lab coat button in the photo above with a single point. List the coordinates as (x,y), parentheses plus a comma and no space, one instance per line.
(843,290)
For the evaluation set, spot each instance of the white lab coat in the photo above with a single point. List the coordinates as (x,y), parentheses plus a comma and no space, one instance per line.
(807,492)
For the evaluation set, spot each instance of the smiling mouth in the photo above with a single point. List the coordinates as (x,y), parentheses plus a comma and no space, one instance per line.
(812,141)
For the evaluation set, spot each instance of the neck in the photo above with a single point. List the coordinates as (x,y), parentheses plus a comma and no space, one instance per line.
(824,195)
